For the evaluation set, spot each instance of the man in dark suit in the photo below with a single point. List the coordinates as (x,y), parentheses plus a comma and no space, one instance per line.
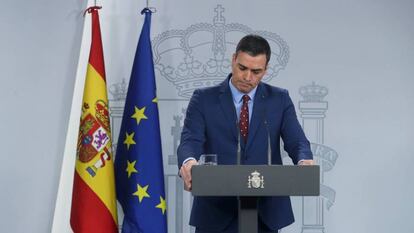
(241,107)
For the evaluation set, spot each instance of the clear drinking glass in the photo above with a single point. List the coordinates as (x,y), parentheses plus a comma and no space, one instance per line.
(208,159)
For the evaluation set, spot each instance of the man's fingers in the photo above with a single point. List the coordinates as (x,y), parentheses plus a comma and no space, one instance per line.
(306,162)
(185,172)
(187,186)
(187,180)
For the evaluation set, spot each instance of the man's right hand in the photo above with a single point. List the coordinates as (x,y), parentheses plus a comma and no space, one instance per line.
(185,172)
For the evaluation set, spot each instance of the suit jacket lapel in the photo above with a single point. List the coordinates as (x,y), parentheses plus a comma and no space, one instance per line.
(227,105)
(258,114)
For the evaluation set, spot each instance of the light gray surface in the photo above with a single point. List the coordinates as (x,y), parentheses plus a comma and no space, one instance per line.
(39,46)
(362,51)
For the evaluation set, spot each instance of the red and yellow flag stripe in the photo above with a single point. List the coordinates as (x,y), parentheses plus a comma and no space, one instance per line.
(93,199)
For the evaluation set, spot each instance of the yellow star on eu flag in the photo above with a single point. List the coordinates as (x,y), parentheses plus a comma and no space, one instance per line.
(141,192)
(139,114)
(129,140)
(162,205)
(131,168)
(155,100)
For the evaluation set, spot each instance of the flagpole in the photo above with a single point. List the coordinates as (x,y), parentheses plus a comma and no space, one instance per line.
(64,195)
(152,9)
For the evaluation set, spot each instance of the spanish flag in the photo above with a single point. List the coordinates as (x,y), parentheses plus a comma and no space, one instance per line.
(93,198)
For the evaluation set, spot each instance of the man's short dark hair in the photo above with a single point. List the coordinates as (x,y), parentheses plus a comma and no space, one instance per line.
(254,45)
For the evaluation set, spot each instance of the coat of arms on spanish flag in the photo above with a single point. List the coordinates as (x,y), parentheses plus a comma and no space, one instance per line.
(93,199)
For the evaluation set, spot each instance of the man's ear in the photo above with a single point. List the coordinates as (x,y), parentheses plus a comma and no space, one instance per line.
(234,57)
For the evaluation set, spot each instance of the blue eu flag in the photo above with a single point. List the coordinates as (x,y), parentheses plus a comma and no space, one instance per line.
(138,165)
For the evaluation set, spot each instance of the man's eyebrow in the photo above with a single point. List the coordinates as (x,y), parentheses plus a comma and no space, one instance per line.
(257,70)
(254,70)
(241,65)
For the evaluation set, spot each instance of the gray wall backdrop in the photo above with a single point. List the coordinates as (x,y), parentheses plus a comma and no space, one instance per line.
(356,55)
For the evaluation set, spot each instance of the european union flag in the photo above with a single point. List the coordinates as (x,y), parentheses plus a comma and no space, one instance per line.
(138,166)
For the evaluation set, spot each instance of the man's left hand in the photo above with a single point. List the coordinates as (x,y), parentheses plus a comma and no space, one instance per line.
(306,162)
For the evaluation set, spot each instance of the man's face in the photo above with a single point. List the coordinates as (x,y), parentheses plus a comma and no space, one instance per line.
(247,71)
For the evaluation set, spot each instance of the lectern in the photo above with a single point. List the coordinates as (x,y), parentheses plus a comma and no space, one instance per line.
(249,182)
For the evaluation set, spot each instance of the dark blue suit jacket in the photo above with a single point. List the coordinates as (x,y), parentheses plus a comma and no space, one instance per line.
(210,127)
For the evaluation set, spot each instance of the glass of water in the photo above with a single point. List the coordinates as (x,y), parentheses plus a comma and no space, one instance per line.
(208,159)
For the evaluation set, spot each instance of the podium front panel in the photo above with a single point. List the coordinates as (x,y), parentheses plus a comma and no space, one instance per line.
(255,180)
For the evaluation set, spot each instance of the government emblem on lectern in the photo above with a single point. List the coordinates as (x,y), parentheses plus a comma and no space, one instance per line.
(255,180)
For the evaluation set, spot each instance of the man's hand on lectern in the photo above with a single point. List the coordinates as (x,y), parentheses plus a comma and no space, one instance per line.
(185,172)
(305,162)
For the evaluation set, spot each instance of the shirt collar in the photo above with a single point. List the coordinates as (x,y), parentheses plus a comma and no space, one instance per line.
(237,95)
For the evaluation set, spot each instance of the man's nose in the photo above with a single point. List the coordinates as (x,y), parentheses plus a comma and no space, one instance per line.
(249,75)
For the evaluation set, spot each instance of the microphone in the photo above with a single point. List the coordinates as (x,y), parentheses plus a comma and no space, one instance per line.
(269,145)
(238,144)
